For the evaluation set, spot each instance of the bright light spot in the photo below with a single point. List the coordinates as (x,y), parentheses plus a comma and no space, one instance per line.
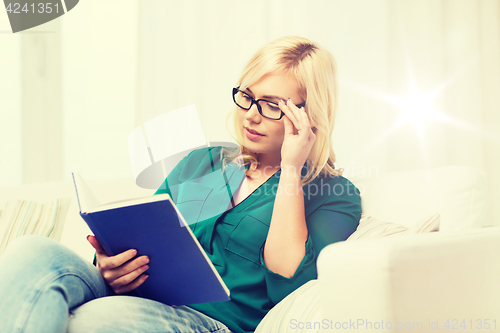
(416,108)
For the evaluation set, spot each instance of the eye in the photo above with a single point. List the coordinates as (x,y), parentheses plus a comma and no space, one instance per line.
(247,98)
(273,107)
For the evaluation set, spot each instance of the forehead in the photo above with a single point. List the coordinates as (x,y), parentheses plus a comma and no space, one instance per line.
(276,85)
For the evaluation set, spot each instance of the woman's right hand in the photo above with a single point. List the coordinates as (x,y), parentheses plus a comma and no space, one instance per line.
(122,272)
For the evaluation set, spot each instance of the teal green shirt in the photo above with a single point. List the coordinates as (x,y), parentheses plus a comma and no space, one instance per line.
(234,237)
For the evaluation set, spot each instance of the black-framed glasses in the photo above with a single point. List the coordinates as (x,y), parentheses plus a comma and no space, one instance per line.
(267,109)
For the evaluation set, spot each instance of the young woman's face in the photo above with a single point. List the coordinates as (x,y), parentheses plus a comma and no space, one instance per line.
(270,133)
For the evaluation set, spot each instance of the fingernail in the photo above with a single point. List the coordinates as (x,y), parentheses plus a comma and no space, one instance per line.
(88,237)
(145,260)
(134,252)
(282,101)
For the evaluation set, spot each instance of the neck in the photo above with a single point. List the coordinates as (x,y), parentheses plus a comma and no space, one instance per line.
(269,164)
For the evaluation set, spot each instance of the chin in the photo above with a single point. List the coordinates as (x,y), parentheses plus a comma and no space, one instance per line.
(259,148)
(253,146)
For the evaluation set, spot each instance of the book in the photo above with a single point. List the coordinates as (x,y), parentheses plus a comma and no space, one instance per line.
(180,272)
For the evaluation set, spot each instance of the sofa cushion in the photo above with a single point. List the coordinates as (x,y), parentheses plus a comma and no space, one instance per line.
(459,193)
(25,217)
(75,229)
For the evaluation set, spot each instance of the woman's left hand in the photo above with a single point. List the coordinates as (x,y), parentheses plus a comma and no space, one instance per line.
(299,137)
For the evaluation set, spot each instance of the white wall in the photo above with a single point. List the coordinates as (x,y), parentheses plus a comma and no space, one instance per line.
(395,58)
(99,69)
(10,104)
(91,112)
(124,62)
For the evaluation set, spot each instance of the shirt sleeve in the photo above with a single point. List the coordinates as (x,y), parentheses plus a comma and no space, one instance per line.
(335,220)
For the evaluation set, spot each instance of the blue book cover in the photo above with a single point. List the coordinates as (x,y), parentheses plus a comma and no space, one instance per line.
(179,271)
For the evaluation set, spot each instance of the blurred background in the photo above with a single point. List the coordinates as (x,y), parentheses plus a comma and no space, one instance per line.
(419,80)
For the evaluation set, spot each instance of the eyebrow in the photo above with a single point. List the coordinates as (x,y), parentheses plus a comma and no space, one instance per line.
(271,96)
(266,96)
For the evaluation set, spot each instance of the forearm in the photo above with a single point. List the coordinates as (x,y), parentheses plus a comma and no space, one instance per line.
(285,243)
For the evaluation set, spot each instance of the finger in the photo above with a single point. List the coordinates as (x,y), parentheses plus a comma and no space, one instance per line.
(302,123)
(294,110)
(108,263)
(306,114)
(305,123)
(293,107)
(96,245)
(289,128)
(312,137)
(303,126)
(128,267)
(303,115)
(131,286)
(128,278)
(289,113)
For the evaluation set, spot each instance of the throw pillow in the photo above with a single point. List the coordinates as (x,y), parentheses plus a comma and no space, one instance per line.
(24,217)
(300,311)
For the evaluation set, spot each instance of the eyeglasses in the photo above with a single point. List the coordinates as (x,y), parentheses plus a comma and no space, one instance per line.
(267,109)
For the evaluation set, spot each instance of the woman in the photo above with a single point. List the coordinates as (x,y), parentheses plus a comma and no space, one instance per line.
(285,202)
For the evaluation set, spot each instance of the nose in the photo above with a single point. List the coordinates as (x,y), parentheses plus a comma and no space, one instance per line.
(253,114)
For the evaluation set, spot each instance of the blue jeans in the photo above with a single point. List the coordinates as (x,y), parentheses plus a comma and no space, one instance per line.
(45,287)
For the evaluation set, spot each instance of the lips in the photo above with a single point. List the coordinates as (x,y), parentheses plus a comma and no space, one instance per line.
(253,131)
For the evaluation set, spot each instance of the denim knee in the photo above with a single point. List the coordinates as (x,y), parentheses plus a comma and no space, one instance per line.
(34,250)
(30,244)
(128,314)
(41,281)
(107,314)
(37,257)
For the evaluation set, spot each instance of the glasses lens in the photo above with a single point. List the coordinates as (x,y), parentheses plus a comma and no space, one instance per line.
(243,100)
(270,110)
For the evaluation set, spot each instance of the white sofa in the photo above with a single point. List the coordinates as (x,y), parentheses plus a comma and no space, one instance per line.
(429,278)
(435,282)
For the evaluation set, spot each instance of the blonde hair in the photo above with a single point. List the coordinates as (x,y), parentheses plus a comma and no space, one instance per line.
(314,69)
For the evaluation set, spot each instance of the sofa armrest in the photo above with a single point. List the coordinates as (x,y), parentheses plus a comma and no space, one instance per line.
(423,278)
